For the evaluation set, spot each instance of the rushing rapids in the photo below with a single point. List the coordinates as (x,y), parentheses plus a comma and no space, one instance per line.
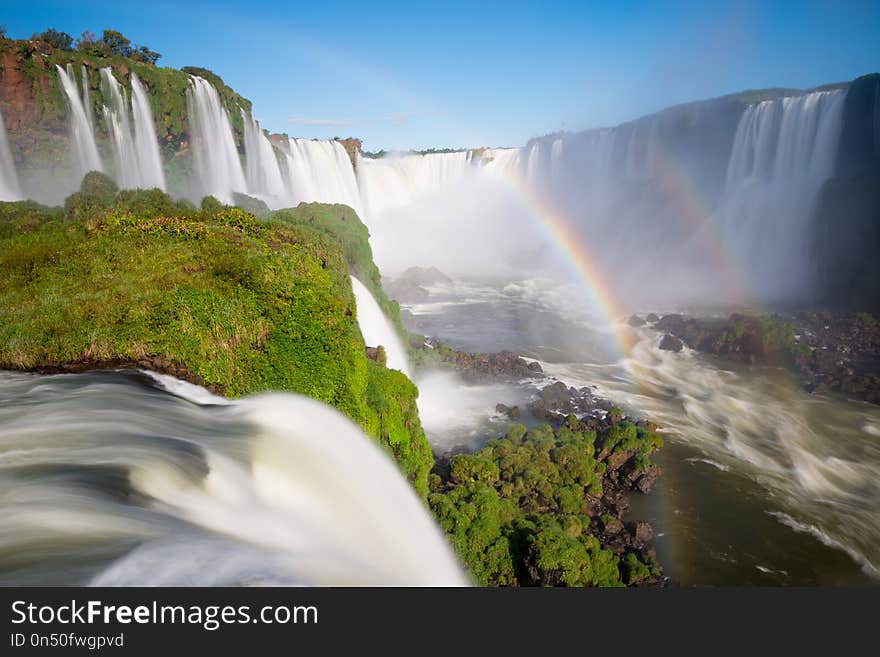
(762,482)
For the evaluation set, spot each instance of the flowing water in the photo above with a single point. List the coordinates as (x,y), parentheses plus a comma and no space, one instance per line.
(216,163)
(262,170)
(377,330)
(130,124)
(9,188)
(762,483)
(82,130)
(116,478)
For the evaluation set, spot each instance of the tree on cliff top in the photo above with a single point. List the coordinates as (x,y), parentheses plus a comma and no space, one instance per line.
(55,38)
(113,42)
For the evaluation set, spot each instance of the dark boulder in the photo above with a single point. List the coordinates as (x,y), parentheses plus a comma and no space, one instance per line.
(670,343)
(512,412)
(635,321)
(671,324)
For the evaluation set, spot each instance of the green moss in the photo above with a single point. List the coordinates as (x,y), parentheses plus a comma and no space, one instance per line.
(240,304)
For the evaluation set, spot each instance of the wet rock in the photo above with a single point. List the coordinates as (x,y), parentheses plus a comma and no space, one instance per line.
(635,321)
(512,412)
(376,354)
(424,276)
(670,343)
(647,478)
(535,367)
(671,324)
(652,318)
(644,532)
(404,291)
(611,525)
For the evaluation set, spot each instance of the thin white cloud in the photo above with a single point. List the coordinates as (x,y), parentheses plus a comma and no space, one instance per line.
(394,118)
(304,120)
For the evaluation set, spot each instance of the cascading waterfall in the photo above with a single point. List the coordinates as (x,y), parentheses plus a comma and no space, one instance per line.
(9,188)
(110,480)
(321,171)
(377,330)
(262,171)
(87,96)
(783,151)
(216,162)
(146,143)
(135,147)
(86,155)
(394,181)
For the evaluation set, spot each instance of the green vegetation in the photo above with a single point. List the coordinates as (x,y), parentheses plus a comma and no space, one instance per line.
(112,43)
(341,223)
(56,39)
(866,319)
(217,296)
(516,511)
(765,335)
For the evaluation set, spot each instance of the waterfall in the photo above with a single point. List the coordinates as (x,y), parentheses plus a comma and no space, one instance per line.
(87,96)
(262,171)
(321,171)
(140,479)
(146,143)
(395,181)
(135,147)
(377,329)
(82,132)
(9,189)
(783,152)
(216,161)
(118,120)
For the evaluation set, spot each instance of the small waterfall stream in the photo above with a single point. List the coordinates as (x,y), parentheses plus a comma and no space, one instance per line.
(377,330)
(216,162)
(9,188)
(82,132)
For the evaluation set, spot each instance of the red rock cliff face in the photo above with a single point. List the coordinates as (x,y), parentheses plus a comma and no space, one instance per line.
(31,113)
(16,97)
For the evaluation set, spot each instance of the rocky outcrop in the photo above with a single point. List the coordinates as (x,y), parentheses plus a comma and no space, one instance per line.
(670,343)
(477,367)
(832,352)
(558,400)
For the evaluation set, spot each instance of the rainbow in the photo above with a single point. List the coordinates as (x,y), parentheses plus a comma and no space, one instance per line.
(576,253)
(575,249)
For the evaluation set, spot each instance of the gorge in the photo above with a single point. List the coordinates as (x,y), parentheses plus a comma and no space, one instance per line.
(221,254)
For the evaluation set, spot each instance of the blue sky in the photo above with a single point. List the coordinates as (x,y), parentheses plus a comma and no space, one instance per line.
(447,74)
